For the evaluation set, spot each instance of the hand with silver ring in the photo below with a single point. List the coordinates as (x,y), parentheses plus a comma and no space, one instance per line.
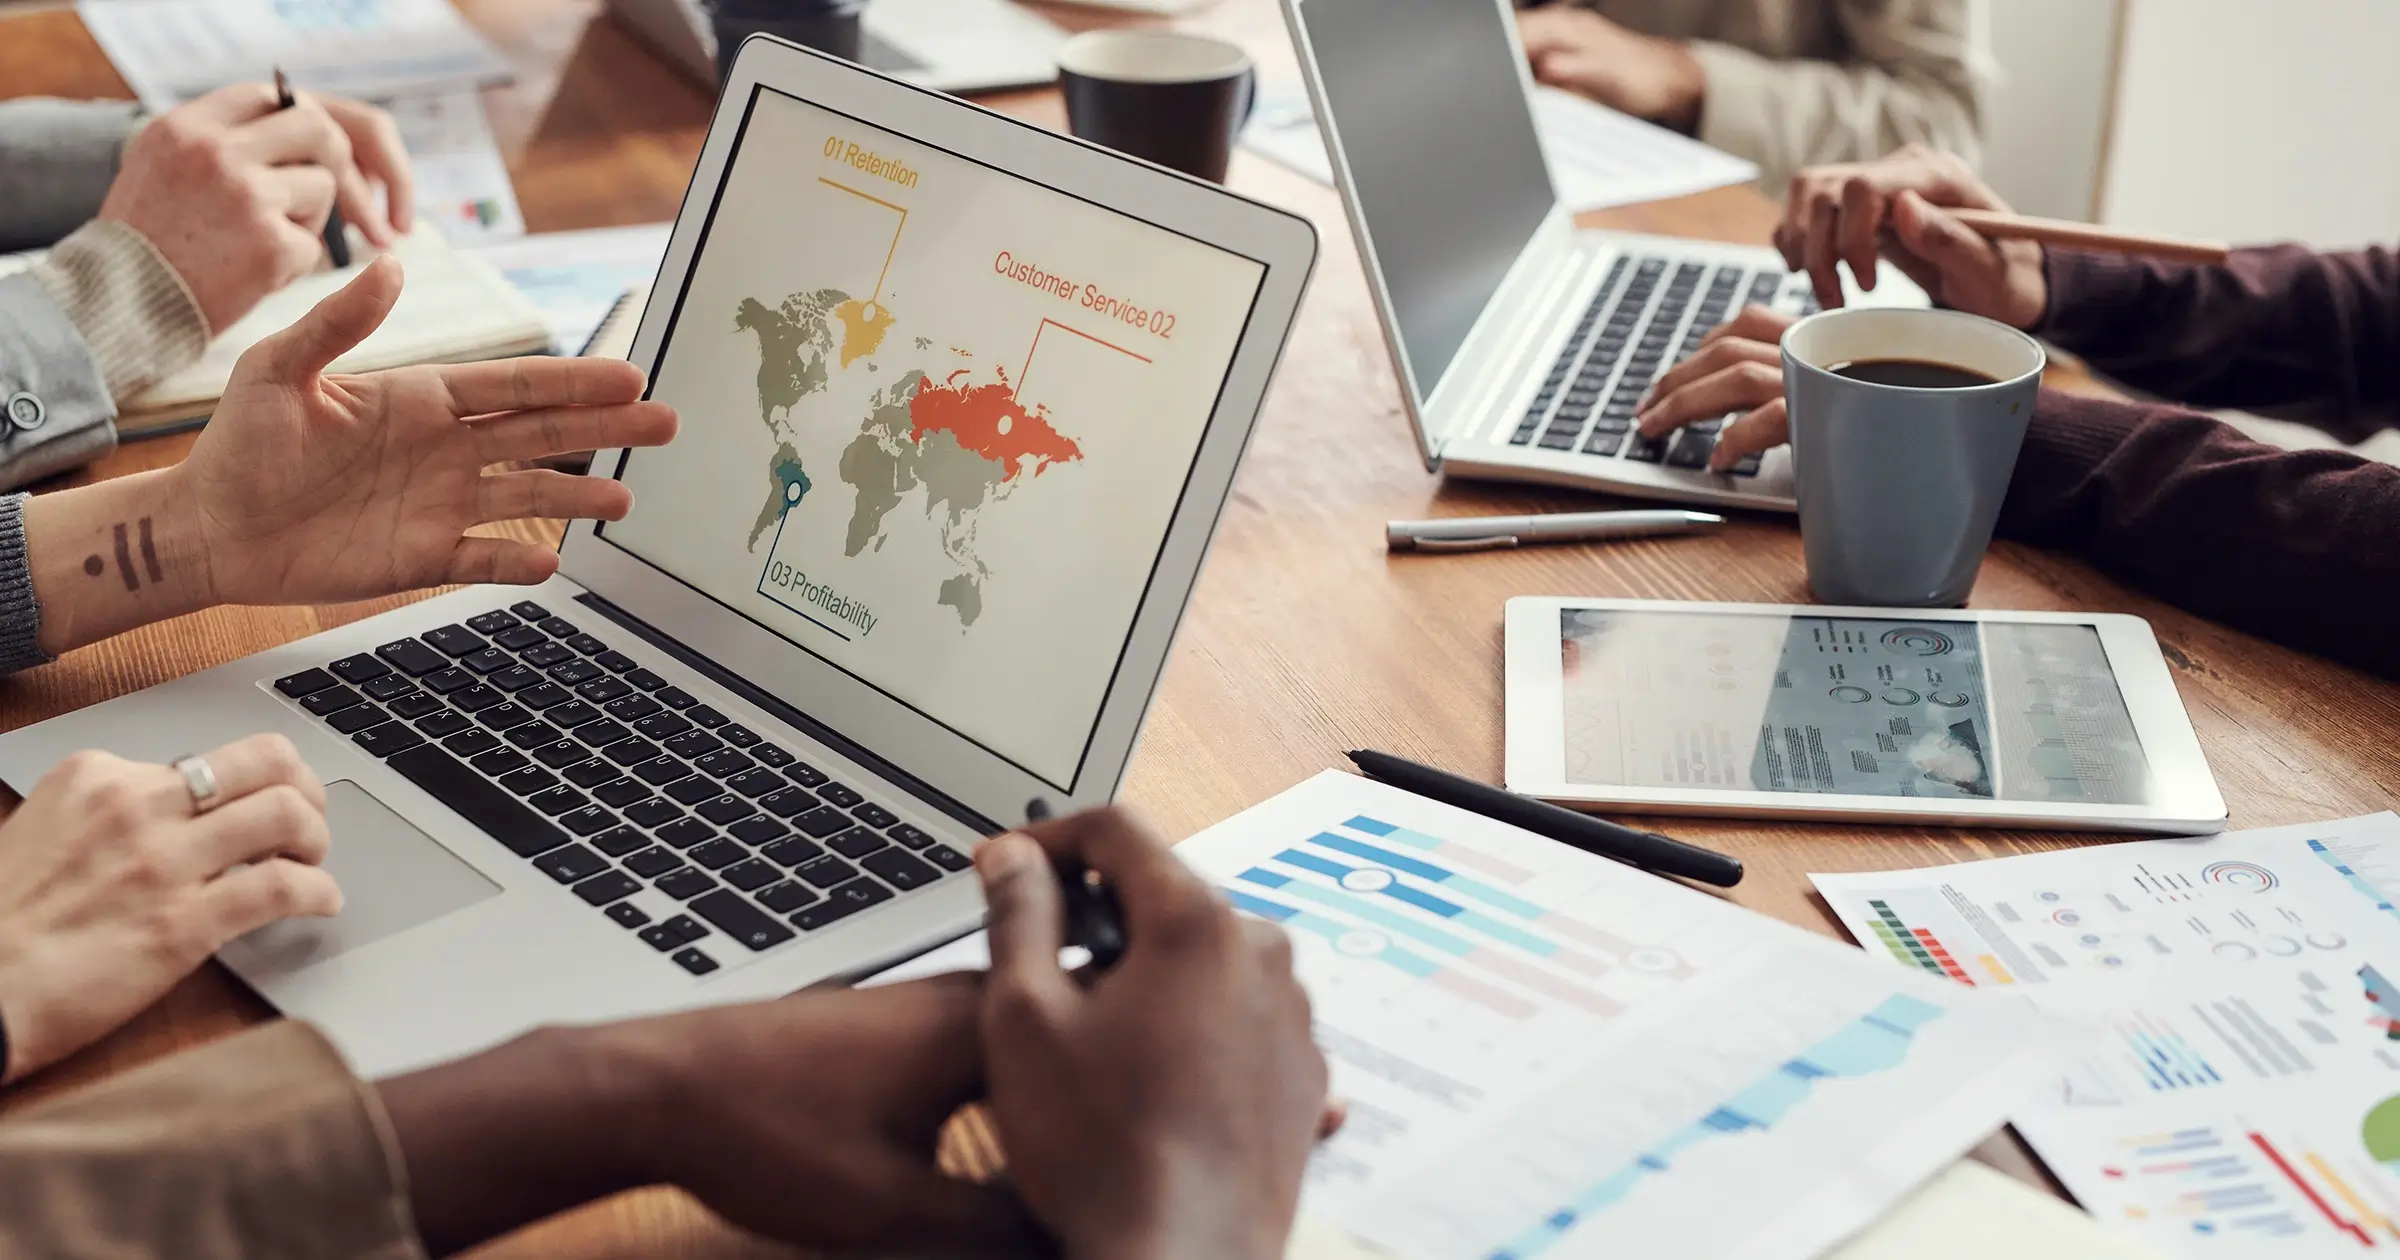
(200,778)
(118,878)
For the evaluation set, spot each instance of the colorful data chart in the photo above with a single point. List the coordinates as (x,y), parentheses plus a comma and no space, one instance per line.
(2236,1182)
(2240,876)
(1373,901)
(2167,1060)
(2357,863)
(1874,1042)
(1919,947)
(2210,1180)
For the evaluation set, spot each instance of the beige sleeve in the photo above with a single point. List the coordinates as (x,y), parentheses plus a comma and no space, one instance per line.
(259,1147)
(1917,71)
(137,315)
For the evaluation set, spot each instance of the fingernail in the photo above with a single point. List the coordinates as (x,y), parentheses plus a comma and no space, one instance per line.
(1003,856)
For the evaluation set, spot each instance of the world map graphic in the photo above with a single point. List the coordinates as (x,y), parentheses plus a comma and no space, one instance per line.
(960,443)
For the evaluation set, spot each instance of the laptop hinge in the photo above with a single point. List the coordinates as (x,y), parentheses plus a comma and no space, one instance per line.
(792,717)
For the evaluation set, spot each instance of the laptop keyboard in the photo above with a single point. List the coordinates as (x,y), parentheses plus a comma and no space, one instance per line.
(607,778)
(1650,313)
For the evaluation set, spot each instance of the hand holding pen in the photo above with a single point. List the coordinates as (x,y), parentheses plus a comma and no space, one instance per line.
(233,189)
(1190,1065)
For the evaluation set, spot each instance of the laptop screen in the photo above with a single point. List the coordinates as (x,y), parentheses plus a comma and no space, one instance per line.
(937,419)
(1445,165)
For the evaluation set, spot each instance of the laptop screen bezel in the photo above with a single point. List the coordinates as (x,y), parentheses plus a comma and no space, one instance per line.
(978,778)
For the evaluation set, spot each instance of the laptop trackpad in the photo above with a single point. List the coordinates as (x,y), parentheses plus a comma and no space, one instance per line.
(393,877)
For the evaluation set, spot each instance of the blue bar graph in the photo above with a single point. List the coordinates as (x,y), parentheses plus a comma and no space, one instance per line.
(1361,908)
(1473,920)
(1331,929)
(2167,1060)
(1498,899)
(1874,1042)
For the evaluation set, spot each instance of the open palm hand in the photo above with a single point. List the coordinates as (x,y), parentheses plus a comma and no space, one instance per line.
(312,488)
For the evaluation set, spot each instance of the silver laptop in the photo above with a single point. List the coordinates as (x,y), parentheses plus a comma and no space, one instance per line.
(947,45)
(961,402)
(1521,343)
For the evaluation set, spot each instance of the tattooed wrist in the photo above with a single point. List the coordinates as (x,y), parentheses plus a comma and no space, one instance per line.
(112,556)
(94,566)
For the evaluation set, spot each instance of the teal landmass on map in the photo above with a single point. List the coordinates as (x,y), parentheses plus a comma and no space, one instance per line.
(788,483)
(795,338)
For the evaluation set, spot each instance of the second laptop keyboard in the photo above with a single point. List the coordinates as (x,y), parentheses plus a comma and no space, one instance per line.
(1650,313)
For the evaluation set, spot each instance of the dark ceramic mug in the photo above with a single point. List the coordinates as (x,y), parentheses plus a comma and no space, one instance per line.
(1174,99)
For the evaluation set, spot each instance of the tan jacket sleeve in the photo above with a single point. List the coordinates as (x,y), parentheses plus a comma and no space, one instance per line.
(1916,72)
(259,1147)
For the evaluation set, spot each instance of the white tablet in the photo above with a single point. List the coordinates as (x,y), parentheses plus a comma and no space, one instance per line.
(2006,719)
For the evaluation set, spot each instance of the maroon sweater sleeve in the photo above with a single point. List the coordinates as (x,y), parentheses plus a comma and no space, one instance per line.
(2298,546)
(2278,327)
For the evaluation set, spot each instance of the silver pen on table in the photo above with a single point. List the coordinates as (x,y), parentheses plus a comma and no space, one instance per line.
(1479,533)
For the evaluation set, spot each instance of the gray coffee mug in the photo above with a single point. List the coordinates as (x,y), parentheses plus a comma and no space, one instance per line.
(1899,488)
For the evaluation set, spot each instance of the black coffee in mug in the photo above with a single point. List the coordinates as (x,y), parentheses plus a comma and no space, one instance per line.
(1912,373)
(1174,99)
(830,26)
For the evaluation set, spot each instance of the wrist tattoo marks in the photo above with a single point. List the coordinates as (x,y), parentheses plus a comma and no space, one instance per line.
(94,566)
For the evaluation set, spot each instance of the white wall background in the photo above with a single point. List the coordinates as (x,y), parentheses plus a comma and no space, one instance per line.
(2048,116)
(2253,120)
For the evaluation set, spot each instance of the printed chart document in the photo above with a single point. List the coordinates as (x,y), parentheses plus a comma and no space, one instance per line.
(576,278)
(1598,157)
(1549,1054)
(173,50)
(462,181)
(2246,1102)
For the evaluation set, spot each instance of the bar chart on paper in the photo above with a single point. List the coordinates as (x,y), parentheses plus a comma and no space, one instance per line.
(2243,1102)
(1549,1054)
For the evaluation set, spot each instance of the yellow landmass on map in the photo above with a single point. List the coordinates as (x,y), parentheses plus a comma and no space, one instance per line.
(863,327)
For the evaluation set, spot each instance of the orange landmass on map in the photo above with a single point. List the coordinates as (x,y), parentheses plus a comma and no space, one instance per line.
(988,420)
(863,327)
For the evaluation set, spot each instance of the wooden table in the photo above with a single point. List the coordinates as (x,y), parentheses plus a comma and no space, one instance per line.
(1305,637)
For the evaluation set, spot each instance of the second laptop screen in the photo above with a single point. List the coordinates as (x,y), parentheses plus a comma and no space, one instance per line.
(1444,161)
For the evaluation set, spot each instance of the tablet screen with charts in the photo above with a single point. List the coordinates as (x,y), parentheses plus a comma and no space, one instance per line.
(1988,717)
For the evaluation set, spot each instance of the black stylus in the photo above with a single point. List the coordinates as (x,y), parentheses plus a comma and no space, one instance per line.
(1094,919)
(1646,849)
(337,240)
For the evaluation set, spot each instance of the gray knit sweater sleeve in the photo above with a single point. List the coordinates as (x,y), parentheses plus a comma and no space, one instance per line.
(20,613)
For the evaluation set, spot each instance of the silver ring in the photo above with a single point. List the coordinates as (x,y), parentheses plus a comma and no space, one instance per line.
(201,779)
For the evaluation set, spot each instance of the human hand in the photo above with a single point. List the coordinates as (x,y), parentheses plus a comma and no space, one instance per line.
(112,888)
(1895,204)
(1168,1109)
(1738,368)
(234,192)
(812,1120)
(1641,75)
(309,488)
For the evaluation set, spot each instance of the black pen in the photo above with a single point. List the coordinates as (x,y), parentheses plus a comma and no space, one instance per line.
(1094,919)
(337,241)
(1646,849)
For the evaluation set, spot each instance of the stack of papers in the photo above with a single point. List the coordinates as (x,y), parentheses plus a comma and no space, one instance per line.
(1968,1212)
(2246,1101)
(417,58)
(171,51)
(1546,1053)
(1598,157)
